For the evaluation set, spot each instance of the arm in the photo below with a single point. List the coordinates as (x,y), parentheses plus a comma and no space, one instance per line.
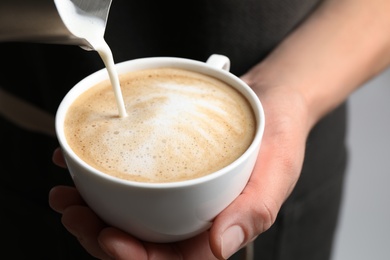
(341,46)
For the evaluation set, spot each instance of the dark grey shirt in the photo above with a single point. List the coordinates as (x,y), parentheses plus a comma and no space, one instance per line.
(244,30)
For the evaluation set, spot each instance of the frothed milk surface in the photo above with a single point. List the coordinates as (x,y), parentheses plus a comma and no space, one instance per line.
(180,125)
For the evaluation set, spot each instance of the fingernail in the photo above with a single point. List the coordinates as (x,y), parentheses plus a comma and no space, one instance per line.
(231,241)
(110,255)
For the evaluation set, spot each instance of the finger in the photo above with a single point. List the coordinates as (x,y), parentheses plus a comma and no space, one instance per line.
(119,244)
(61,197)
(255,210)
(83,223)
(58,158)
(197,247)
(122,246)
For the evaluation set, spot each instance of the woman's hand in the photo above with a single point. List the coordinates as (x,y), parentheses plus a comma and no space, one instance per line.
(254,211)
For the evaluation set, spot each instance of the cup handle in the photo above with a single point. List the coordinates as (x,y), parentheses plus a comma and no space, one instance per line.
(219,61)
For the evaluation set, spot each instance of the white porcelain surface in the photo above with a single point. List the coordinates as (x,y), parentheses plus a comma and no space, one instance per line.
(171,211)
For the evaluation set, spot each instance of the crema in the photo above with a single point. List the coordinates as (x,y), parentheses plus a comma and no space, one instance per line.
(180,125)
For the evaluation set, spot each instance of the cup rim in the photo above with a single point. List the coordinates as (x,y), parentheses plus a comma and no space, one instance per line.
(155,62)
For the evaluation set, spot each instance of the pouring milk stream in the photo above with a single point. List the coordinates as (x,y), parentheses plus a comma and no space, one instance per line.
(87,19)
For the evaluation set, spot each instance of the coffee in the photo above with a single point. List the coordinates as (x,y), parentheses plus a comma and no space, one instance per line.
(180,125)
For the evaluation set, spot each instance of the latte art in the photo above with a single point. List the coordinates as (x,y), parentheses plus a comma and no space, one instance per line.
(180,125)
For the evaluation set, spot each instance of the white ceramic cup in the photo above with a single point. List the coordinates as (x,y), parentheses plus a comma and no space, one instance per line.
(162,212)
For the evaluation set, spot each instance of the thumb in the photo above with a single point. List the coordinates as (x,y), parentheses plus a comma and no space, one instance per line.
(256,209)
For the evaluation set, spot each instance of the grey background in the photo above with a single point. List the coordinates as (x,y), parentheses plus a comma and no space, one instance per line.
(364,229)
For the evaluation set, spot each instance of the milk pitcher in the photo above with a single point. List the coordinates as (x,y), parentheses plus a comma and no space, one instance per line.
(52,21)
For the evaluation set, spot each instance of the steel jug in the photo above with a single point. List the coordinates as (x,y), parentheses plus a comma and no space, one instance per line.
(51,21)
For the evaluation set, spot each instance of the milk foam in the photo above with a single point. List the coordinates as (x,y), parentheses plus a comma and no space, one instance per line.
(180,125)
